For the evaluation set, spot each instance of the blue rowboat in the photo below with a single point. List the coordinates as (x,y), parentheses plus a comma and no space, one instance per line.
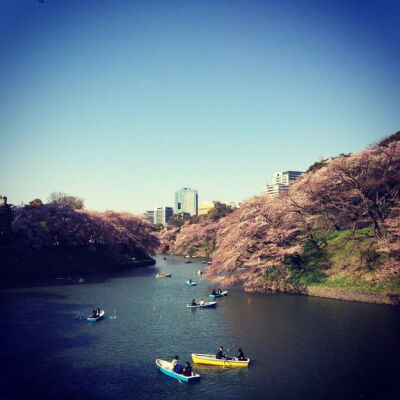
(166,368)
(95,319)
(205,305)
(223,294)
(191,283)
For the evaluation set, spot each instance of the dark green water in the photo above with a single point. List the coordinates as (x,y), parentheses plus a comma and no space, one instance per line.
(303,348)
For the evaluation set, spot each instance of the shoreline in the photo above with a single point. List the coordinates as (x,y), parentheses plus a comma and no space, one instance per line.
(363,297)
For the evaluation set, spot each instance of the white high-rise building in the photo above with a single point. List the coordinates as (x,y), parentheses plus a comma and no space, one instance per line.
(186,201)
(280,181)
(162,215)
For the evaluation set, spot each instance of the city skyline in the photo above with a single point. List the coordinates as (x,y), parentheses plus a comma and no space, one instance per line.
(120,103)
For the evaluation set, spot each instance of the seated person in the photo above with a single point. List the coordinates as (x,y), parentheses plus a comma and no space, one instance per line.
(220,353)
(214,292)
(187,371)
(94,314)
(240,355)
(176,366)
(201,302)
(193,303)
(190,281)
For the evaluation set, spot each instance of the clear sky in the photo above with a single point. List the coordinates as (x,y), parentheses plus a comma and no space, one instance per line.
(123,102)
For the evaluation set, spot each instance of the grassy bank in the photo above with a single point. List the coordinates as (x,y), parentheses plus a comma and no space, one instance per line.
(345,260)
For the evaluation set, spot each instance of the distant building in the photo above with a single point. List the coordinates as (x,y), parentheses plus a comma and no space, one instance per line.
(162,215)
(3,200)
(280,181)
(186,200)
(204,208)
(149,215)
(232,204)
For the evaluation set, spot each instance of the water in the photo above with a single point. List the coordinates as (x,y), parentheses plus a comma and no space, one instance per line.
(301,347)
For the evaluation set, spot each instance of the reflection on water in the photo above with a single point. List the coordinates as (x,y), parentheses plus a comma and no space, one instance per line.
(301,348)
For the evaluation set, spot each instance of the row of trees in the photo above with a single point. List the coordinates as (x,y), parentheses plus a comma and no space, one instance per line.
(63,223)
(266,235)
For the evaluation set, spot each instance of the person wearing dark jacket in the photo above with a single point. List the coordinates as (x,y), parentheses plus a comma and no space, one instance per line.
(220,353)
(187,371)
(240,356)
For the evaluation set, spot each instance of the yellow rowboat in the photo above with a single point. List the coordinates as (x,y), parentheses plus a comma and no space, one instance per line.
(163,275)
(210,359)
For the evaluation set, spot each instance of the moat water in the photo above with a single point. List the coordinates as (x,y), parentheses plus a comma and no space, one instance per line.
(301,347)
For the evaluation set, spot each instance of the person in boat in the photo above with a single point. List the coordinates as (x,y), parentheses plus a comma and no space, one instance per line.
(187,371)
(190,281)
(214,292)
(94,314)
(240,355)
(201,302)
(176,365)
(193,303)
(220,353)
(98,312)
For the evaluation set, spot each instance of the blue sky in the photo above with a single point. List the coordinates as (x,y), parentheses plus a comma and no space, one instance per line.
(123,102)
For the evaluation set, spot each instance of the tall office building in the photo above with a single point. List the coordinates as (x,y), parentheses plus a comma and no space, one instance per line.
(186,200)
(162,215)
(280,181)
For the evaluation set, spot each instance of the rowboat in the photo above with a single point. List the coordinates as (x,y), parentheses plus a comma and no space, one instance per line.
(210,359)
(222,294)
(191,283)
(163,275)
(98,318)
(166,368)
(205,305)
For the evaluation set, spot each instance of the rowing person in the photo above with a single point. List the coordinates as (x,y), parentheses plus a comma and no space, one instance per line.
(176,366)
(193,303)
(201,302)
(220,353)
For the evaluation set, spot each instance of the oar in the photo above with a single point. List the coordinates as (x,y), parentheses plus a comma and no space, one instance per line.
(227,351)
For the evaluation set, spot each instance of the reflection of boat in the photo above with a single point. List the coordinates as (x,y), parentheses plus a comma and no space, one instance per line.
(222,294)
(98,318)
(166,368)
(164,258)
(163,275)
(191,283)
(210,359)
(205,305)
(188,262)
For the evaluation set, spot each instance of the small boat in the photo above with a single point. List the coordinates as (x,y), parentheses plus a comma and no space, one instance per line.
(95,319)
(210,359)
(163,275)
(191,283)
(166,368)
(222,294)
(205,305)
